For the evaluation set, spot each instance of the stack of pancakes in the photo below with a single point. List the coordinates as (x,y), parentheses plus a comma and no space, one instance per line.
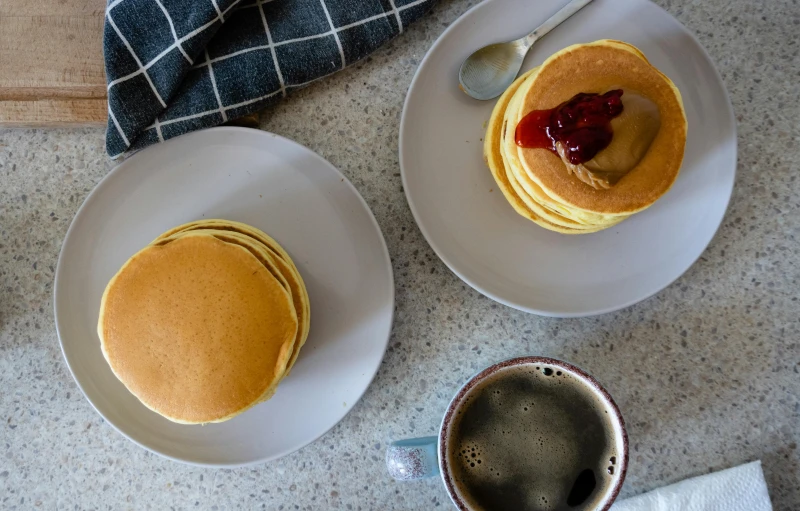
(538,183)
(204,322)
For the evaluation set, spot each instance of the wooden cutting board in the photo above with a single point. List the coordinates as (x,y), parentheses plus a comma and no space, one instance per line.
(51,63)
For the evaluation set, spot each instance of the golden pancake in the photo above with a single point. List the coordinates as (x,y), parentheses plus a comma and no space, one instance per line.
(529,183)
(597,68)
(496,159)
(198,329)
(277,266)
(304,313)
(529,190)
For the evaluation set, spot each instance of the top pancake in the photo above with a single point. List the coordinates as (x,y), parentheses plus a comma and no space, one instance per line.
(529,190)
(198,329)
(599,67)
(511,188)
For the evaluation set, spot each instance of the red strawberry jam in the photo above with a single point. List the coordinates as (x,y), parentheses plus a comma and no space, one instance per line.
(582,124)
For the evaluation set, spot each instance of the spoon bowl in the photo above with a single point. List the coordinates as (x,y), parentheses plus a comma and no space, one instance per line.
(489,71)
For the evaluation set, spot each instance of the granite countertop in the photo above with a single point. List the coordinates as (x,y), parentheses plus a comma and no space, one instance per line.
(707,372)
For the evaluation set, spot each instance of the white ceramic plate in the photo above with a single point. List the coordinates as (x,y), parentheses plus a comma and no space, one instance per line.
(295,196)
(472,228)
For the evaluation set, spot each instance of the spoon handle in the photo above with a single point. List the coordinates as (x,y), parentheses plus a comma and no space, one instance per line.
(554,21)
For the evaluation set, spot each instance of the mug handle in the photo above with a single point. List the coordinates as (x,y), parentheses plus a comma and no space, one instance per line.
(413,458)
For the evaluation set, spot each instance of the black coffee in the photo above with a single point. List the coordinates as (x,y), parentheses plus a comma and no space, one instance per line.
(533,438)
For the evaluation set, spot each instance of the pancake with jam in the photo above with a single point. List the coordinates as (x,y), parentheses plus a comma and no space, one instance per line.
(594,153)
(275,252)
(529,191)
(198,329)
(618,120)
(523,194)
(498,164)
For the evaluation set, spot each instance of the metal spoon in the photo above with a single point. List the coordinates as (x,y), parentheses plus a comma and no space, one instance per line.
(488,72)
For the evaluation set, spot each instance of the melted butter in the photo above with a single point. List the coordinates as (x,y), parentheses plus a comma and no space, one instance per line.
(634,131)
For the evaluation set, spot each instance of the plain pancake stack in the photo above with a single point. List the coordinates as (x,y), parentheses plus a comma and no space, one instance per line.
(537,183)
(205,322)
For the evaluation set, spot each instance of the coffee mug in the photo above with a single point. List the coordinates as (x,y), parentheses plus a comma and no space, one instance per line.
(527,433)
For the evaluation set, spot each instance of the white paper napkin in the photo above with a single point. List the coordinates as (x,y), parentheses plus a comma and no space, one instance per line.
(739,488)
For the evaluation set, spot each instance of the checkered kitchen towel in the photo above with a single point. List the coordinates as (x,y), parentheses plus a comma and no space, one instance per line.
(175,66)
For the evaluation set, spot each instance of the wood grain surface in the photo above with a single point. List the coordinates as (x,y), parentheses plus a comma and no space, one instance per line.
(51,63)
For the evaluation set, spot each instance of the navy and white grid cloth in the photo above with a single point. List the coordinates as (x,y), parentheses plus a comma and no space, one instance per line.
(175,66)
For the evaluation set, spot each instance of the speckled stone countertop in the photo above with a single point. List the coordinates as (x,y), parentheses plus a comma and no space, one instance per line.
(707,372)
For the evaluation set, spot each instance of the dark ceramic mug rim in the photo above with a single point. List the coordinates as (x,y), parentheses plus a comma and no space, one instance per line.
(472,382)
